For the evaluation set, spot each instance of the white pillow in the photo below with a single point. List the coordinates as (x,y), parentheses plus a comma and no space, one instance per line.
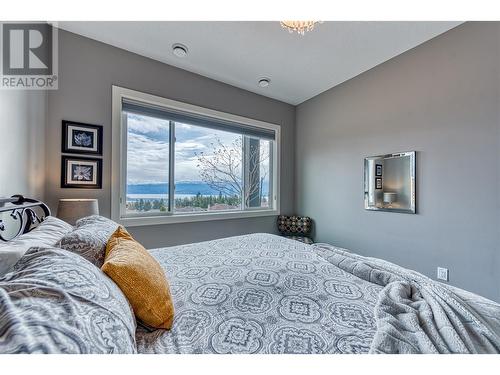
(47,234)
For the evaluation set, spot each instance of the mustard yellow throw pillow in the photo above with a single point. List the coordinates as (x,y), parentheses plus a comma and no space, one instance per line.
(141,279)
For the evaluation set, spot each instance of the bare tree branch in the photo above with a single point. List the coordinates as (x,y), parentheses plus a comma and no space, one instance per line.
(221,168)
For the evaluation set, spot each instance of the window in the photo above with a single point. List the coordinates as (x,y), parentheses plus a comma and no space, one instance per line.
(174,162)
(147,164)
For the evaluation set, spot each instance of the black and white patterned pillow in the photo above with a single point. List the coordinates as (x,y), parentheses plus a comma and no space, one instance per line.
(89,238)
(55,301)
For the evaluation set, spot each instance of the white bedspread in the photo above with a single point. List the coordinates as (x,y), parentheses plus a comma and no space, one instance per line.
(266,294)
(415,314)
(261,294)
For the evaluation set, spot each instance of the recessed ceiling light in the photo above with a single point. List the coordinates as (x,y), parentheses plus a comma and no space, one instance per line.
(264,82)
(179,50)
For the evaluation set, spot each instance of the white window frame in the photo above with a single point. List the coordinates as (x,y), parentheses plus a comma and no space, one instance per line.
(119,163)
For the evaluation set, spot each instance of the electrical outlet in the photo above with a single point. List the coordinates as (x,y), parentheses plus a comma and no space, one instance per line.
(442,274)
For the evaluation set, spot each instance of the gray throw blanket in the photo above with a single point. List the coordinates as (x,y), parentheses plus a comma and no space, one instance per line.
(415,314)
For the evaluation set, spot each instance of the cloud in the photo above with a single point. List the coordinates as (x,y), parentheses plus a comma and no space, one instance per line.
(187,150)
(151,126)
(187,170)
(147,160)
(148,149)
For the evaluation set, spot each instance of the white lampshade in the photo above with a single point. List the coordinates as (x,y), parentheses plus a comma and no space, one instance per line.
(390,197)
(70,210)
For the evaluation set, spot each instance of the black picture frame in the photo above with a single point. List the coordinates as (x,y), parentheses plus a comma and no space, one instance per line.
(90,133)
(94,180)
(378,183)
(378,170)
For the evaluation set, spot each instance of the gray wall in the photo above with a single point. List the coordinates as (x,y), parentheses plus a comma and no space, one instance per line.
(442,100)
(88,69)
(22,142)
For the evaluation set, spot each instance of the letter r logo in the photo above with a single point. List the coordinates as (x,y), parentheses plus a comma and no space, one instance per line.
(27,49)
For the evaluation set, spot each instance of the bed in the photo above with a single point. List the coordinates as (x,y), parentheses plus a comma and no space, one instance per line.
(257,293)
(261,293)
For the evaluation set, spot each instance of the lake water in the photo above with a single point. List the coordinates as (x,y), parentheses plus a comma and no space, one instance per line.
(134,197)
(160,196)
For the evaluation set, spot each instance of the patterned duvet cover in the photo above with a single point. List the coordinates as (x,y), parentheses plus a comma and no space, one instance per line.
(261,293)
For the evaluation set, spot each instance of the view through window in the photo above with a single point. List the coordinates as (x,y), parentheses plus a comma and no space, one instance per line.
(208,169)
(148,157)
(213,170)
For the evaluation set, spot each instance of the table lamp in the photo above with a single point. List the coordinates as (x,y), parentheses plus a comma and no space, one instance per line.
(390,198)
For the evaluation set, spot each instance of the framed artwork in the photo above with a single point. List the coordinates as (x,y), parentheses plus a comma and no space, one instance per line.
(378,183)
(81,173)
(79,138)
(378,170)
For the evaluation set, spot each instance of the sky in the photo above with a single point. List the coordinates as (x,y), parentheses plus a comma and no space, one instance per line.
(147,154)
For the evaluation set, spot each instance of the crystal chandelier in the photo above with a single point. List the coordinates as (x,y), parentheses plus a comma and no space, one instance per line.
(298,26)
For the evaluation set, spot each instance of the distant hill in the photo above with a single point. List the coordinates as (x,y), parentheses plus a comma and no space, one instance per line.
(194,188)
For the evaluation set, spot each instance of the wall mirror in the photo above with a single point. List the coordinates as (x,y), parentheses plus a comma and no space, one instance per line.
(390,182)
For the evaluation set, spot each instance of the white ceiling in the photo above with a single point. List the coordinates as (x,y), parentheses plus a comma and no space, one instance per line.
(239,53)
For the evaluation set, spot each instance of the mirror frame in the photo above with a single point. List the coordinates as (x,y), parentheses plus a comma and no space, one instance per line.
(412,209)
